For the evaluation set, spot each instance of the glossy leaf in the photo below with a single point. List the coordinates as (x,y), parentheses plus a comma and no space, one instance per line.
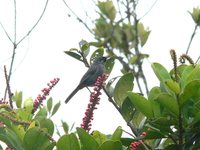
(154,93)
(42,113)
(124,84)
(141,103)
(55,108)
(18,99)
(169,103)
(191,90)
(161,73)
(47,124)
(99,137)
(9,137)
(194,74)
(34,139)
(28,105)
(172,85)
(138,118)
(97,53)
(117,134)
(65,127)
(68,142)
(109,64)
(49,104)
(88,142)
(143,33)
(111,145)
(128,109)
(107,8)
(74,55)
(85,47)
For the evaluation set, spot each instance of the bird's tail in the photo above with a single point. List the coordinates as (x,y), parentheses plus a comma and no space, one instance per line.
(72,94)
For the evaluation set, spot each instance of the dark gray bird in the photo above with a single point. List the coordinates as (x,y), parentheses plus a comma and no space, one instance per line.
(89,78)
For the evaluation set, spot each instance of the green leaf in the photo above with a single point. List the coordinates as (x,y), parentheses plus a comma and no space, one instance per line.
(28,105)
(143,33)
(97,53)
(141,103)
(55,108)
(154,93)
(169,103)
(107,8)
(124,84)
(111,145)
(137,120)
(49,104)
(191,91)
(128,109)
(68,142)
(117,134)
(109,64)
(85,47)
(47,124)
(74,55)
(65,127)
(196,15)
(137,58)
(18,99)
(10,138)
(88,142)
(42,113)
(153,134)
(194,74)
(99,137)
(161,73)
(34,139)
(172,85)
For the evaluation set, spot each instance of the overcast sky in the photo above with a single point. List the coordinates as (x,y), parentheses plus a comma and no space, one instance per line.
(40,57)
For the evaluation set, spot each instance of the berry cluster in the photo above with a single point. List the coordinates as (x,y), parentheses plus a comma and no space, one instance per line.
(94,100)
(45,92)
(135,144)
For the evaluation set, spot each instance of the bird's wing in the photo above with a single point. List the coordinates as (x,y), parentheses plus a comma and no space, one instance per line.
(90,76)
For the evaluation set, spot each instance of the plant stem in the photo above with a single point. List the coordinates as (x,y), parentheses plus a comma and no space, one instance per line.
(191,38)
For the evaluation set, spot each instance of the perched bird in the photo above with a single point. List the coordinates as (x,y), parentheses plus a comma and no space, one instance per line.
(89,78)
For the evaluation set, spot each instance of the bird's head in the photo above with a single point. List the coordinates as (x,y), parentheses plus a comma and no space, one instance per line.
(100,60)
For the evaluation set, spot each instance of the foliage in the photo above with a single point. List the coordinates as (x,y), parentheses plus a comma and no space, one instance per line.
(166,118)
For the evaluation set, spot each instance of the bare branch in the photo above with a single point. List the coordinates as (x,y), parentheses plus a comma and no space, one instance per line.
(6,33)
(39,19)
(15,22)
(78,18)
(8,87)
(149,9)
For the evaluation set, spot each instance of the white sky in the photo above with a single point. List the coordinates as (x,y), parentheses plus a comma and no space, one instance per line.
(40,57)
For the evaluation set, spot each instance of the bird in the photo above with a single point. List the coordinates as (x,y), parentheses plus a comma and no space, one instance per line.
(89,78)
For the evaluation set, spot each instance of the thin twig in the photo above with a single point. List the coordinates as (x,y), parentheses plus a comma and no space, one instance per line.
(78,18)
(39,19)
(6,33)
(15,22)
(149,9)
(191,38)
(14,120)
(8,87)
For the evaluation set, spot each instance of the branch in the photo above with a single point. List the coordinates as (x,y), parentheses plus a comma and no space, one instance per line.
(6,33)
(8,87)
(78,18)
(149,9)
(39,19)
(191,38)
